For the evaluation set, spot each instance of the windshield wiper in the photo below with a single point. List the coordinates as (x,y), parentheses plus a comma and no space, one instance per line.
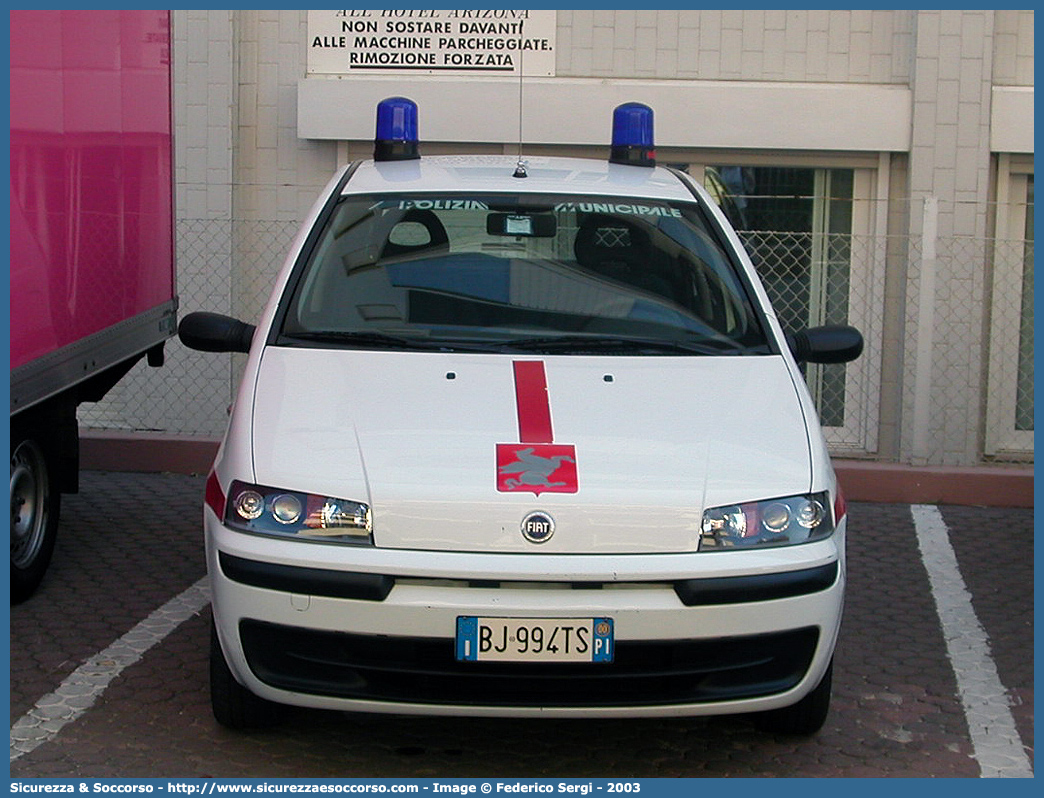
(584,344)
(366,339)
(552,344)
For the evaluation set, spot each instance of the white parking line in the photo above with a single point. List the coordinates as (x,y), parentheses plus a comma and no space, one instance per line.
(83,686)
(995,739)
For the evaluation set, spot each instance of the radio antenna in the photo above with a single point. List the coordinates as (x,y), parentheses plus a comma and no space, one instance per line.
(520,167)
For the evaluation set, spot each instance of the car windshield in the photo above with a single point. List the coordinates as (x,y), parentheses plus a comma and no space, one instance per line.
(552,274)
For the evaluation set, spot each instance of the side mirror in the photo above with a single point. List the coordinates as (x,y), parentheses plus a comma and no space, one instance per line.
(830,344)
(212,332)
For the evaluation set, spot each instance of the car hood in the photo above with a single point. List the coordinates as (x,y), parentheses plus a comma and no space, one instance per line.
(453,451)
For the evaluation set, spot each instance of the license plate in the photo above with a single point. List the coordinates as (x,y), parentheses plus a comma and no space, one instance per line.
(534,639)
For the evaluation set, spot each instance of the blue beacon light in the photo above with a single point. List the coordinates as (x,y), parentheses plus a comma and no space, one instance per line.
(396,136)
(633,136)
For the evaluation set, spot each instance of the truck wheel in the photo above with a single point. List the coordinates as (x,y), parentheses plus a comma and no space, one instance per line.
(805,717)
(35,503)
(233,705)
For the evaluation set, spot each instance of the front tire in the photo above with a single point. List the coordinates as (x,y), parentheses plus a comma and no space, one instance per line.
(805,717)
(35,503)
(233,705)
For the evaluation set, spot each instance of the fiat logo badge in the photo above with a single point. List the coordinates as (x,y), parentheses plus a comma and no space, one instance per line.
(538,527)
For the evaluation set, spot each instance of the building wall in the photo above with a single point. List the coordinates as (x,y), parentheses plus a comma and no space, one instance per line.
(908,96)
(764,45)
(284,173)
(948,188)
(1013,48)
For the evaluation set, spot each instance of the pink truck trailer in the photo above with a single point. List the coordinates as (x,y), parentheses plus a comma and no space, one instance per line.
(92,264)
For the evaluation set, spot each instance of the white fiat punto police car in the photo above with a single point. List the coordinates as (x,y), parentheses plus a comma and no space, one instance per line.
(522,438)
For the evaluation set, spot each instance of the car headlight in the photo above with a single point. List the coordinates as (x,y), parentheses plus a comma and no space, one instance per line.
(774,522)
(302,516)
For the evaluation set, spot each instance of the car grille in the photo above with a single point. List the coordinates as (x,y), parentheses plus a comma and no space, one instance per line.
(424,670)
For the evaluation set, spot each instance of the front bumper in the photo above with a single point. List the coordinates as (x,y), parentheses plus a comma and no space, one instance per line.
(373,630)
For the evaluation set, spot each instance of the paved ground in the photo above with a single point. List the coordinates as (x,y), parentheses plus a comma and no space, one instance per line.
(131,542)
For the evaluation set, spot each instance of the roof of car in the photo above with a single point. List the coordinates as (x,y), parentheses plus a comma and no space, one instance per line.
(495,174)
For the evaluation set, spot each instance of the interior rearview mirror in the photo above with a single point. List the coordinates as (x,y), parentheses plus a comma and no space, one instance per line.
(534,225)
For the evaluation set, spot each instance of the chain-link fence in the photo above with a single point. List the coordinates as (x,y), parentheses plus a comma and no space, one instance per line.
(953,372)
(808,279)
(224,267)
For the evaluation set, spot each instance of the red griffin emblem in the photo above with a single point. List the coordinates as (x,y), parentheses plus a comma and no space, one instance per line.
(536,465)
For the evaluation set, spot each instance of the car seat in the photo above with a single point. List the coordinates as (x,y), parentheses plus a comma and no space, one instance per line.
(622,251)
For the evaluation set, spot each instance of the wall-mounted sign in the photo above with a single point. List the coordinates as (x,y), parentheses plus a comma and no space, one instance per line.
(487,42)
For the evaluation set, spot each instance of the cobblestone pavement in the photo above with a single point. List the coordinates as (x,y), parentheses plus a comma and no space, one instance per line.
(131,542)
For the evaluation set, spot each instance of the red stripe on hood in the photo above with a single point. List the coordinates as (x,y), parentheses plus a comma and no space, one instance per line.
(534,409)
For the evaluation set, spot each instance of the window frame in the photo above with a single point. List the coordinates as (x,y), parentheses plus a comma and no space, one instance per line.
(1002,440)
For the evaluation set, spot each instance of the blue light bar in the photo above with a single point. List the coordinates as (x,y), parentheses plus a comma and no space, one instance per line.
(396,136)
(633,135)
